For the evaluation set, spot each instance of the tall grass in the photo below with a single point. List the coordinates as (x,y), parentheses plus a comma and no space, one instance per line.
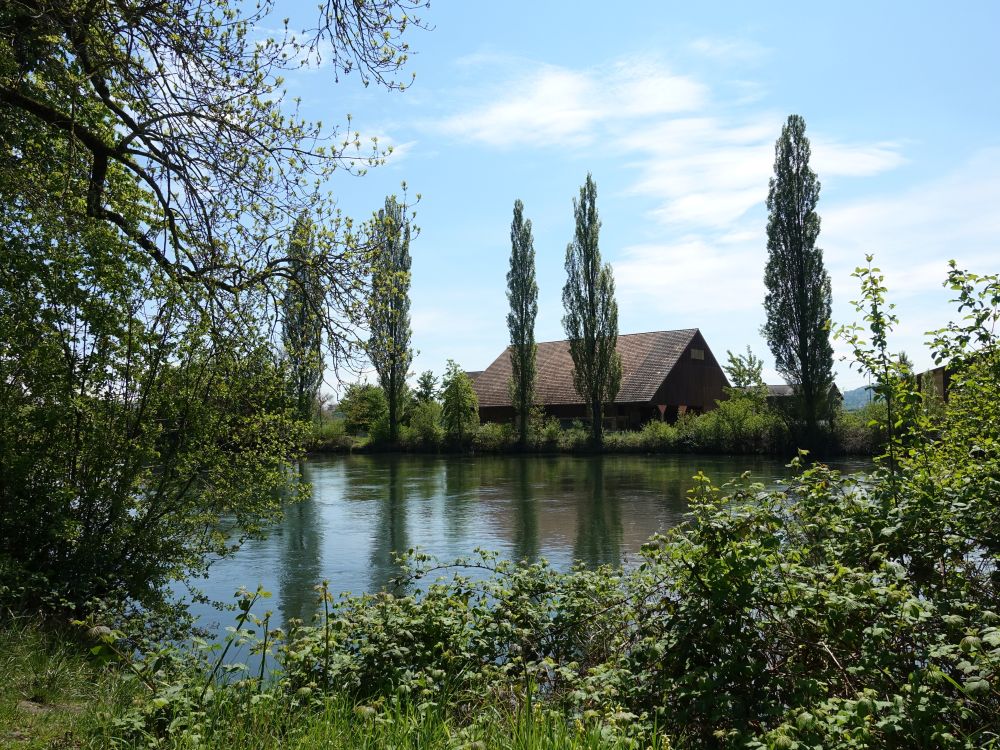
(55,694)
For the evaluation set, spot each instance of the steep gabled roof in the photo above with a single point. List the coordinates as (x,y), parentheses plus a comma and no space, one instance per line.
(647,359)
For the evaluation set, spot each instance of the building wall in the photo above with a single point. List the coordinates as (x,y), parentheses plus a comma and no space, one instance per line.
(694,384)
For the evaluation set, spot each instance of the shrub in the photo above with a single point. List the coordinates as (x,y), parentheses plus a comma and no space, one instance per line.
(424,431)
(861,431)
(329,435)
(492,437)
(363,406)
(658,437)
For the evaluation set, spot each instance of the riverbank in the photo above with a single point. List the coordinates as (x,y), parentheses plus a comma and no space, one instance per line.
(716,433)
(55,694)
(760,623)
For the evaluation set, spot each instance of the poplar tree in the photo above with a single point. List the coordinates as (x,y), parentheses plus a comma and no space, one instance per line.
(591,319)
(389,308)
(302,319)
(522,294)
(798,299)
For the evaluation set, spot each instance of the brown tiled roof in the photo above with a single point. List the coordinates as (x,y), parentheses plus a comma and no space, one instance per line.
(473,374)
(647,359)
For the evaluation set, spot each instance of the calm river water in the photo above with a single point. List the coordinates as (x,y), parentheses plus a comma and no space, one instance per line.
(363,508)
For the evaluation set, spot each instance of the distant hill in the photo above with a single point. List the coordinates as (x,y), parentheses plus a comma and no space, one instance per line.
(857,398)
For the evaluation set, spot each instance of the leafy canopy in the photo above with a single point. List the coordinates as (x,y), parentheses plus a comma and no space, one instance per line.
(591,319)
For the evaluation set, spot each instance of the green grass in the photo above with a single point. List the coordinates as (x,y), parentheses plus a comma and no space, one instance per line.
(54,695)
(51,694)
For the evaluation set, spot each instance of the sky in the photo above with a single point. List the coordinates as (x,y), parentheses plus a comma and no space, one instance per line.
(674,109)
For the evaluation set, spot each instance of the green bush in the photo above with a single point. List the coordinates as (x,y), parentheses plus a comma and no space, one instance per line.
(575,438)
(545,432)
(329,435)
(424,431)
(364,406)
(493,438)
(861,431)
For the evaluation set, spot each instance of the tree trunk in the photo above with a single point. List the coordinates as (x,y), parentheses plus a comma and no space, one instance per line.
(597,423)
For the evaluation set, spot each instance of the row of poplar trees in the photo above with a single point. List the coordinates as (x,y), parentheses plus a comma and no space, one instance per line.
(797,305)
(590,320)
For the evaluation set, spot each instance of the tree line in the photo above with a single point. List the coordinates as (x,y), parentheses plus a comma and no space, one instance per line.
(797,306)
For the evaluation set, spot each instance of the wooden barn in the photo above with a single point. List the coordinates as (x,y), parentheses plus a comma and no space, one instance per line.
(664,375)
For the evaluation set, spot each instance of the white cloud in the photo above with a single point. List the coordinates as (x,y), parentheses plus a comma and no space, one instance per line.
(700,163)
(689,277)
(830,158)
(915,231)
(728,50)
(551,105)
(709,171)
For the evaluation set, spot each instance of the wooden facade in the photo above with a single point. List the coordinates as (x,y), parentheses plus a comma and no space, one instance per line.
(664,374)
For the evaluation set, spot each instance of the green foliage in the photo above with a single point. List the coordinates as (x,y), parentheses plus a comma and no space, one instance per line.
(522,295)
(129,424)
(742,423)
(493,438)
(744,370)
(798,300)
(426,387)
(208,146)
(591,319)
(363,406)
(425,431)
(302,319)
(861,431)
(460,407)
(389,309)
(329,436)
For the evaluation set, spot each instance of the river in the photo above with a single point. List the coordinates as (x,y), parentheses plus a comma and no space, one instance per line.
(562,508)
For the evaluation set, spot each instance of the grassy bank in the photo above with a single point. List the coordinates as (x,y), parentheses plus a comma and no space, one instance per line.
(55,694)
(735,428)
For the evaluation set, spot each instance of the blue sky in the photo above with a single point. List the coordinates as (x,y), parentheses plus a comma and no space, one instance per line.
(674,108)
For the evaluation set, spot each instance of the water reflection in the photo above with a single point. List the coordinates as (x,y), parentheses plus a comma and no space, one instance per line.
(300,537)
(390,533)
(598,520)
(364,508)
(525,511)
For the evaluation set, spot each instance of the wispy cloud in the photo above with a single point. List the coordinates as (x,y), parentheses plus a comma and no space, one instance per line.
(914,232)
(728,50)
(556,106)
(699,161)
(709,171)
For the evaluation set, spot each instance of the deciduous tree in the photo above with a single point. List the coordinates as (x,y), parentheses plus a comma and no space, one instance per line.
(389,308)
(302,319)
(591,319)
(522,294)
(151,168)
(798,296)
(460,407)
(744,370)
(179,107)
(426,387)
